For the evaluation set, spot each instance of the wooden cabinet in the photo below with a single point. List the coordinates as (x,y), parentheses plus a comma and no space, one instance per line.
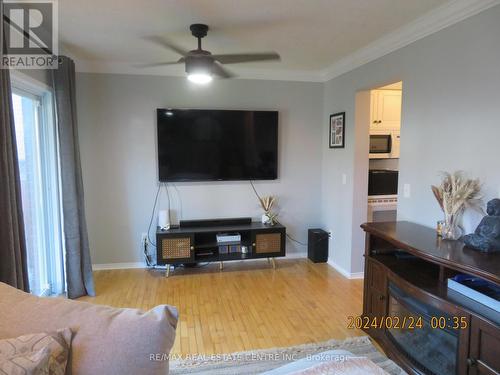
(484,354)
(406,266)
(385,111)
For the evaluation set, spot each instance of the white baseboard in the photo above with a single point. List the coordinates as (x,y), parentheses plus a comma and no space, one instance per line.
(357,275)
(117,266)
(295,256)
(343,272)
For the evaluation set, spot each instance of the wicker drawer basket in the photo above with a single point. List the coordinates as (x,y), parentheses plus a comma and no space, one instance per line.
(268,243)
(176,248)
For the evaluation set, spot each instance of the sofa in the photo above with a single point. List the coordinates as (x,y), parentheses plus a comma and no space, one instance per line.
(105,340)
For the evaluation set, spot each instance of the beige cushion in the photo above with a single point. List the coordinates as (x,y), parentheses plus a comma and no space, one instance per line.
(37,353)
(106,340)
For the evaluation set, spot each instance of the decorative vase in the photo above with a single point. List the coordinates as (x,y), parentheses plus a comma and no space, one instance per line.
(266,219)
(451,230)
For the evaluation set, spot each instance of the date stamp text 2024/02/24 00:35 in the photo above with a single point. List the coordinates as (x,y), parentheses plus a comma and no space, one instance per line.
(406,322)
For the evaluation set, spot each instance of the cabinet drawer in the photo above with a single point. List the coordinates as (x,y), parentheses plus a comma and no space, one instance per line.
(175,249)
(269,243)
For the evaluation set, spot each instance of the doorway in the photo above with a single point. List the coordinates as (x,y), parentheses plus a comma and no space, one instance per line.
(384,152)
(377,123)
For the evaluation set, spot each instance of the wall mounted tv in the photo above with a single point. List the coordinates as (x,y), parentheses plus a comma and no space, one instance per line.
(217,145)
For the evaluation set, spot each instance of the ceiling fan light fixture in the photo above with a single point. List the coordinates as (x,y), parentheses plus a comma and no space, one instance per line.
(200,64)
(200,78)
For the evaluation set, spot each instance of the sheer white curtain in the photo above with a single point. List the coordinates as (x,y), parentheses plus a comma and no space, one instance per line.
(36,139)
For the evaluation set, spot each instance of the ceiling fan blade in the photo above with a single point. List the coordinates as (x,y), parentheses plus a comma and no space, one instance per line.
(152,65)
(167,44)
(236,58)
(217,69)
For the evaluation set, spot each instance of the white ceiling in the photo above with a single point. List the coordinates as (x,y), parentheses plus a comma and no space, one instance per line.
(310,35)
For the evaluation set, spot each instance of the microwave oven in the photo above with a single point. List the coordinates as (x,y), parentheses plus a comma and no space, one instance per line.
(384,145)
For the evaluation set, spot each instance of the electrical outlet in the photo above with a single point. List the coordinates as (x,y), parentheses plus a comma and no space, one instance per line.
(406,190)
(144,243)
(344,179)
(144,238)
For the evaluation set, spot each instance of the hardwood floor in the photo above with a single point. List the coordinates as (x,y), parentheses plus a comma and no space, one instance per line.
(247,306)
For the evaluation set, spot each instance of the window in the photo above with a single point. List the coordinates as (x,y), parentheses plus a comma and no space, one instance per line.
(36,138)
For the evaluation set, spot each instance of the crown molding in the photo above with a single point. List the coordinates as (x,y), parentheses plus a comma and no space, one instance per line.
(438,19)
(446,15)
(107,67)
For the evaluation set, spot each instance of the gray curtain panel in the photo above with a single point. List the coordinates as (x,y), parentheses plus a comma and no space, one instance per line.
(78,264)
(13,262)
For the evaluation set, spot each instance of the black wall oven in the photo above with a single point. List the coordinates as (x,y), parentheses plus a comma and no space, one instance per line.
(382,182)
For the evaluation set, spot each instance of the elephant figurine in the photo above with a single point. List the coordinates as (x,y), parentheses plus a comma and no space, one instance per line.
(486,237)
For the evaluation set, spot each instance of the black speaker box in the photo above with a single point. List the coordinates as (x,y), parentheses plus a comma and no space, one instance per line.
(317,245)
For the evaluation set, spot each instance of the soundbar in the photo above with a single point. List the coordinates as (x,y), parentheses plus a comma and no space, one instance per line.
(215,222)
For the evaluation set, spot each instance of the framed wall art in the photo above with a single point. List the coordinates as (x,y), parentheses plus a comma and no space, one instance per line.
(337,130)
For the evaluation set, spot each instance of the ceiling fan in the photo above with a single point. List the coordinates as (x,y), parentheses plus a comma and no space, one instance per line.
(200,64)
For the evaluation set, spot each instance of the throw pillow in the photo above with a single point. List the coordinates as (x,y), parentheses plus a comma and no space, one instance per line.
(38,353)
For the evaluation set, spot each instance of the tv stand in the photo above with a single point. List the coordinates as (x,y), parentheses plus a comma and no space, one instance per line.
(406,270)
(197,243)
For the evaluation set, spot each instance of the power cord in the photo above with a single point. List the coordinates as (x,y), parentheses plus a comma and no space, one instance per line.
(255,190)
(160,185)
(179,199)
(146,255)
(153,214)
(148,236)
(168,199)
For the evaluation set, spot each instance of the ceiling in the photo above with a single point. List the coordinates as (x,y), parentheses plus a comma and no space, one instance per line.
(310,35)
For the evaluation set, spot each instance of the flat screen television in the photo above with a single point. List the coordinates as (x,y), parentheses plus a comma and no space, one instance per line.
(217,145)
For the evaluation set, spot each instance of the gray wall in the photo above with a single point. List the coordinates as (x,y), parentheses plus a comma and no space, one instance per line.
(117,130)
(451,115)
(450,121)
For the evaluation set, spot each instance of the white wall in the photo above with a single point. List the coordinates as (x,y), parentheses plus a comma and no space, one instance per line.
(117,130)
(450,121)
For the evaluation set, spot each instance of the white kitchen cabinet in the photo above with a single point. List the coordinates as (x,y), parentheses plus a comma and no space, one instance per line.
(385,111)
